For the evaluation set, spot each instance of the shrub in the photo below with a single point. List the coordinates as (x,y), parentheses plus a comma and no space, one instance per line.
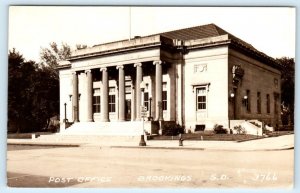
(218,129)
(53,128)
(172,129)
(240,130)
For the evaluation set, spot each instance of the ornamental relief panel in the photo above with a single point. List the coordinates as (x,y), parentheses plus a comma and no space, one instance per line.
(198,68)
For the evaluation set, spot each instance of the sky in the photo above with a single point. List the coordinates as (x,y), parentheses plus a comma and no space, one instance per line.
(269,29)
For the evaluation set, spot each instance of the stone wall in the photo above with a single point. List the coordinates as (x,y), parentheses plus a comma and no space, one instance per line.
(258,77)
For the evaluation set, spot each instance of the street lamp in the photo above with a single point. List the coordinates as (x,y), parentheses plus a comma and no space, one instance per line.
(65,119)
(245,100)
(142,87)
(232,100)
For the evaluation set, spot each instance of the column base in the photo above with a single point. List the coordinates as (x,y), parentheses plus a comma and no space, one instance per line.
(90,120)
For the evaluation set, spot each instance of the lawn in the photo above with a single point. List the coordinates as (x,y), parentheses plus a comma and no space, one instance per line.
(209,137)
(219,137)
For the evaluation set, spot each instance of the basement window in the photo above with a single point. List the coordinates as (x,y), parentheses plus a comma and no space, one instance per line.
(200,128)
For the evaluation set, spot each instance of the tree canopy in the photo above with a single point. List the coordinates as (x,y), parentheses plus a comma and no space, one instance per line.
(33,94)
(287,89)
(33,88)
(52,55)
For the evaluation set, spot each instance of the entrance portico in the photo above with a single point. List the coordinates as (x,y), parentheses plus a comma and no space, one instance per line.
(112,85)
(106,82)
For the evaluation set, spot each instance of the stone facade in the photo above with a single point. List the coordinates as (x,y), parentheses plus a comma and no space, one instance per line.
(196,83)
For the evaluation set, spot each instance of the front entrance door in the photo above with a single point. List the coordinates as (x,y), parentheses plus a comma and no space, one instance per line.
(128,110)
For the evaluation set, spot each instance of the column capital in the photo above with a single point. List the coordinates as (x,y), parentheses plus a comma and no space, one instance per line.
(137,64)
(74,73)
(157,62)
(119,66)
(86,71)
(103,69)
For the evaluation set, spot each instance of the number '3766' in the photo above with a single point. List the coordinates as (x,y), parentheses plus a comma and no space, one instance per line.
(265,177)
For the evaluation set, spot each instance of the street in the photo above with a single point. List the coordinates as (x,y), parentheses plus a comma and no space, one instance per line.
(37,166)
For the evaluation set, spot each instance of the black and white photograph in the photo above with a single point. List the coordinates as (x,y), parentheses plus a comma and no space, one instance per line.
(151,97)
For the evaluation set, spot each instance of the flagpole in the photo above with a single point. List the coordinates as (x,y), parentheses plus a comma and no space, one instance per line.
(129,23)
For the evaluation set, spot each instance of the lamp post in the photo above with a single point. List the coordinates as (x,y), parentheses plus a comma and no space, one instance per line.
(78,105)
(232,96)
(231,99)
(142,141)
(65,119)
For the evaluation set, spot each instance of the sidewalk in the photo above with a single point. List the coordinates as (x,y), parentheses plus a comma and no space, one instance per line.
(267,144)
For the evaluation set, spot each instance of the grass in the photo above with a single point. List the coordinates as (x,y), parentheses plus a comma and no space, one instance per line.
(209,137)
(279,133)
(25,135)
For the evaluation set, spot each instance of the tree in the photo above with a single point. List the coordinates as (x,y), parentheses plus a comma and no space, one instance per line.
(51,56)
(287,89)
(46,98)
(19,90)
(33,94)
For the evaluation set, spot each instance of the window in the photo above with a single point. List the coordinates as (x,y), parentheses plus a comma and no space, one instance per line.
(164,97)
(146,100)
(276,82)
(268,103)
(164,100)
(96,100)
(201,98)
(258,103)
(248,100)
(276,96)
(112,100)
(200,128)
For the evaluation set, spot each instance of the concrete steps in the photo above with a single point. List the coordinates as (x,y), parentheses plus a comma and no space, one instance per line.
(252,127)
(88,139)
(99,132)
(105,129)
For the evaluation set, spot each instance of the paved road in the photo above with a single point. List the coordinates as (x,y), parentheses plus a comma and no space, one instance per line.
(131,167)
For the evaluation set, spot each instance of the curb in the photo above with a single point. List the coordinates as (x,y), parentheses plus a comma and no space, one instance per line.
(44,144)
(151,147)
(201,149)
(140,147)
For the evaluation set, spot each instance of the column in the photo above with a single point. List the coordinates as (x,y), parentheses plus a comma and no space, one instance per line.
(158,90)
(179,91)
(75,97)
(121,93)
(89,78)
(104,96)
(139,78)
